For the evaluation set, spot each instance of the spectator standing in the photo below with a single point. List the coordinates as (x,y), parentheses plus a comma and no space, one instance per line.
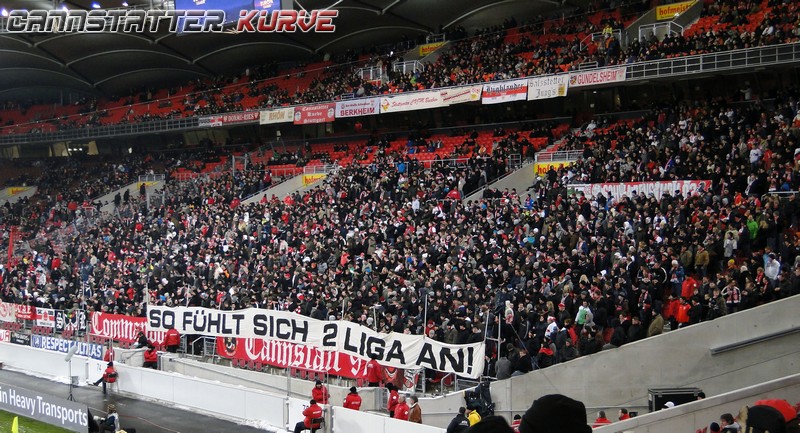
(414,411)
(401,411)
(172,340)
(374,370)
(459,423)
(320,393)
(352,400)
(394,399)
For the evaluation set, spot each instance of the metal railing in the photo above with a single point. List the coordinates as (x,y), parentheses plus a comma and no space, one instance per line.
(407,67)
(559,155)
(715,62)
(438,37)
(600,36)
(371,73)
(152,178)
(660,30)
(782,54)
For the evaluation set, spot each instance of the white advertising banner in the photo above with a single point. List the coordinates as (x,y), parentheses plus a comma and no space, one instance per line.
(460,95)
(393,349)
(658,189)
(46,317)
(554,86)
(277,115)
(412,101)
(358,107)
(597,76)
(505,91)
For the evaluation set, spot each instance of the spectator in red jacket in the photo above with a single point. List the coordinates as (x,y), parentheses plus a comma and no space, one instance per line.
(623,414)
(402,409)
(320,393)
(601,420)
(394,398)
(109,376)
(313,418)
(374,370)
(515,423)
(352,400)
(150,358)
(172,340)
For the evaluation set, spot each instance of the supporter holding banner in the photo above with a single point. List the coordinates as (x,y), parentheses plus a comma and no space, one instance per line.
(412,101)
(460,95)
(358,107)
(658,189)
(277,115)
(597,76)
(505,91)
(553,86)
(319,113)
(8,312)
(393,349)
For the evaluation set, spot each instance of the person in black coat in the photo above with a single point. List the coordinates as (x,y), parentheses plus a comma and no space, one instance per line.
(459,423)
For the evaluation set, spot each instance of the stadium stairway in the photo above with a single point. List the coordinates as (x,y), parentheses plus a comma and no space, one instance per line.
(520,179)
(107,200)
(297,184)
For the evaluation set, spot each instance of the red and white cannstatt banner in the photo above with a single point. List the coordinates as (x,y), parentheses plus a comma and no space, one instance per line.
(686,188)
(123,328)
(597,76)
(505,91)
(318,113)
(412,101)
(283,354)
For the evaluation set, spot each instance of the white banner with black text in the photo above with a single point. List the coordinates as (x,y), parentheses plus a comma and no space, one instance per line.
(393,349)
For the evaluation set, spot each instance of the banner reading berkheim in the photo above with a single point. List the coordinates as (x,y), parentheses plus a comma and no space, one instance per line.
(358,107)
(658,189)
(394,349)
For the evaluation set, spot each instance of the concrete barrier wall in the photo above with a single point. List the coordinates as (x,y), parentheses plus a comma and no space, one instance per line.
(520,179)
(681,358)
(281,190)
(224,400)
(696,416)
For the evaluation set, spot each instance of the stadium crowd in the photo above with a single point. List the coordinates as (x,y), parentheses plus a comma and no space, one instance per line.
(541,47)
(389,244)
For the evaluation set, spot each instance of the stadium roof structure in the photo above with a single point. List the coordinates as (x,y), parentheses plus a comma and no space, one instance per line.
(114,63)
